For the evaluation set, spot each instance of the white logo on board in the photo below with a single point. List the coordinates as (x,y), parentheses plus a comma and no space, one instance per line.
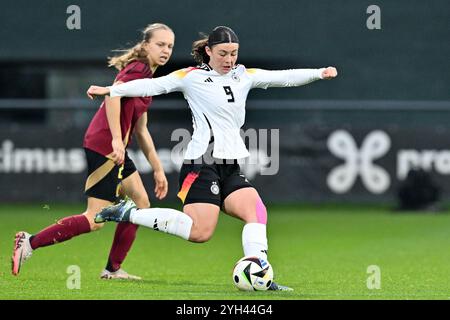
(359,162)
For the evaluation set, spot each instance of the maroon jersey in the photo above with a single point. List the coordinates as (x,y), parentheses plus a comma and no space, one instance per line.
(98,135)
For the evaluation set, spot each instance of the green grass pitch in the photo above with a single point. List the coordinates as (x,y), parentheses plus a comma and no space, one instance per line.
(323,252)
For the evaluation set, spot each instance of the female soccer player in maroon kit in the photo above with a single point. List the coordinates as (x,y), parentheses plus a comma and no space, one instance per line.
(111,172)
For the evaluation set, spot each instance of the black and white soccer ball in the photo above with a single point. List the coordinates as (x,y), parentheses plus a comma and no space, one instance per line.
(252,274)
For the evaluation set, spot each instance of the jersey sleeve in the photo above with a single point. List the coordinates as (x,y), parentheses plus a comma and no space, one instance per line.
(149,87)
(283,78)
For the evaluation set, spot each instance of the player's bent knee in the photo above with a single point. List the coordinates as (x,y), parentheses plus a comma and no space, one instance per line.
(142,202)
(200,238)
(200,235)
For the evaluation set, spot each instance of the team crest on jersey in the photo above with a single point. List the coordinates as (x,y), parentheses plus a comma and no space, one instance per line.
(235,77)
(215,188)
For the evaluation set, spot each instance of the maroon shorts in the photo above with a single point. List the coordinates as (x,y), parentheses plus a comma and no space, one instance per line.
(104,177)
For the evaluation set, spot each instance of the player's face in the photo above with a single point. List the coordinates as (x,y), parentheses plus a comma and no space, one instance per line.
(223,56)
(159,47)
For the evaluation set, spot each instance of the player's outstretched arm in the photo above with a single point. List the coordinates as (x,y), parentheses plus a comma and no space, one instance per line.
(141,87)
(289,78)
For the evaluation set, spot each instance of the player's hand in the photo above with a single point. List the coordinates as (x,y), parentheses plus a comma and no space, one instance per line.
(118,154)
(329,73)
(161,184)
(94,91)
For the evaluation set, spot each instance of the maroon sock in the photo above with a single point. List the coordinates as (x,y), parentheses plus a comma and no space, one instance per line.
(123,239)
(62,230)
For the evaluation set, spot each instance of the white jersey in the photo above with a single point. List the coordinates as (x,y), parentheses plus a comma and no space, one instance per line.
(217,101)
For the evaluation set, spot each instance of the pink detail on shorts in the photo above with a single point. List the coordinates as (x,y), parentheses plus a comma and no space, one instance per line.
(261,212)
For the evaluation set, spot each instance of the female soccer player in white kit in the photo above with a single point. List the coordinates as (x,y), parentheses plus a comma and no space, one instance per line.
(216,92)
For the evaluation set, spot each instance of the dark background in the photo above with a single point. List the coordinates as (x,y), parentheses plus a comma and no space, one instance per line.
(407,59)
(396,79)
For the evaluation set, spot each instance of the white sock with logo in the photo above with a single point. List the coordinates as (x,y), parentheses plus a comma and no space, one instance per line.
(254,240)
(163,219)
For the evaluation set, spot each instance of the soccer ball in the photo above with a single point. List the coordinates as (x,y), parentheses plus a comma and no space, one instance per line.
(252,273)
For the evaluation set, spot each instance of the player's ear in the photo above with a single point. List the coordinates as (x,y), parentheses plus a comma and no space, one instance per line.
(208,51)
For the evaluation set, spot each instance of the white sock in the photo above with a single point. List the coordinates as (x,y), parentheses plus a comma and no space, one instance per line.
(163,219)
(254,240)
